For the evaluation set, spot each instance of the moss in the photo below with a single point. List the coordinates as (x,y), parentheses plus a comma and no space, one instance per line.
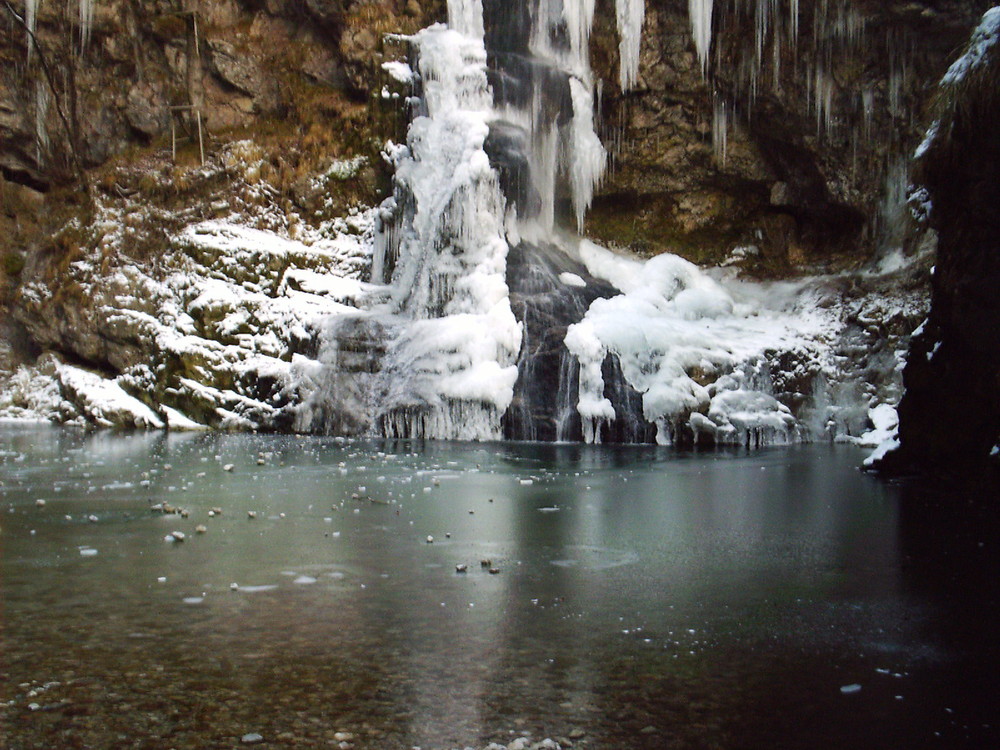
(646,225)
(12,263)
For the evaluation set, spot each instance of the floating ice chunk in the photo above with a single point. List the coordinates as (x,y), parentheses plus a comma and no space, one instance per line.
(88,552)
(850,689)
(304,580)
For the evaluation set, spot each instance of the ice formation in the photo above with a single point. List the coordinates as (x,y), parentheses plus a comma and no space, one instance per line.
(30,20)
(503,124)
(487,152)
(685,343)
(86,21)
(701,28)
(630,15)
(449,370)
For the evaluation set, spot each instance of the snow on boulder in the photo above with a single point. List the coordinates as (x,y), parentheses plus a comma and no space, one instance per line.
(104,402)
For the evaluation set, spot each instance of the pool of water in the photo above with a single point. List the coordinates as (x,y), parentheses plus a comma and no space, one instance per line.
(614,597)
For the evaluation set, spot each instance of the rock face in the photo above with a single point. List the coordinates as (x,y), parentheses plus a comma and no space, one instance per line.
(794,138)
(950,413)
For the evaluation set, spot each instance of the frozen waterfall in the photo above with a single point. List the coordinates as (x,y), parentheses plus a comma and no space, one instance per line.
(486,320)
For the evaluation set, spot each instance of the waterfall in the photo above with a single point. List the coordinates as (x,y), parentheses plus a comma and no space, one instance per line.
(498,134)
(490,320)
(42,100)
(449,370)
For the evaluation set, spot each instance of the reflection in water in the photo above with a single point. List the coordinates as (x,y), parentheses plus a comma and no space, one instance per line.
(644,598)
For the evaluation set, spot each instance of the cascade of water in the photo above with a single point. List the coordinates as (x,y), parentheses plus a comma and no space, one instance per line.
(503,127)
(567,417)
(450,368)
(466,17)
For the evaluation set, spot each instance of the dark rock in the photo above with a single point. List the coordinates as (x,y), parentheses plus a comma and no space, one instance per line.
(234,68)
(146,110)
(950,412)
(327,11)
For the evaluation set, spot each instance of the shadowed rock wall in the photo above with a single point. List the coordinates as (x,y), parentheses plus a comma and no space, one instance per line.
(950,413)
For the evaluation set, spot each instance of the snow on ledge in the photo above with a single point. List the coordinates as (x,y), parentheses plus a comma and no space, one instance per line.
(104,401)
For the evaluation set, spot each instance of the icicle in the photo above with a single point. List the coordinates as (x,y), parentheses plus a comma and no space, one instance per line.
(795,21)
(86,22)
(824,100)
(30,21)
(631,14)
(464,16)
(41,115)
(579,17)
(588,157)
(701,29)
(720,129)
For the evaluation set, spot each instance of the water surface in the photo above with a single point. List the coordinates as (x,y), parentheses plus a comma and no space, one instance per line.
(641,597)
